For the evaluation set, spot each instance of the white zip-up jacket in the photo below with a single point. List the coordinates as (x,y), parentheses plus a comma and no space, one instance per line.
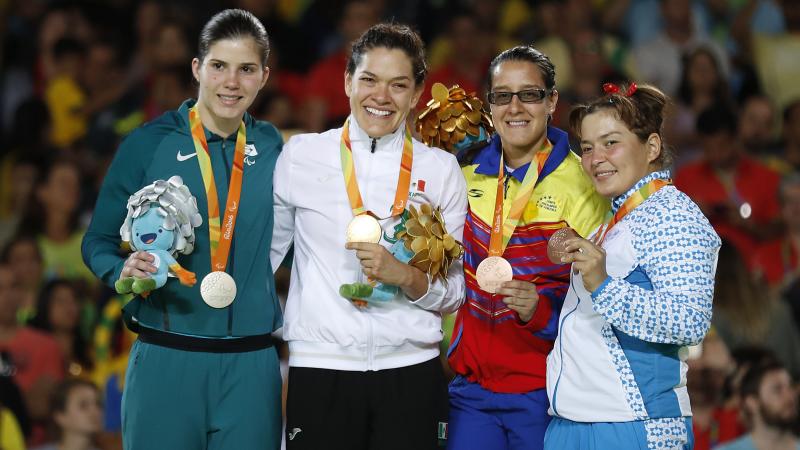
(312,210)
(620,354)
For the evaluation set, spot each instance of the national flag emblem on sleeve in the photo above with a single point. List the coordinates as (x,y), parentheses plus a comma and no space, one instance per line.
(421,185)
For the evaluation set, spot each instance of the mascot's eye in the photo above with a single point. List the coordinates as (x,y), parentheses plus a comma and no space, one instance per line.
(137,234)
(160,230)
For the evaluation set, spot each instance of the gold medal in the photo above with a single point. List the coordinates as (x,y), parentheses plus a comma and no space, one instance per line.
(492,272)
(364,228)
(218,289)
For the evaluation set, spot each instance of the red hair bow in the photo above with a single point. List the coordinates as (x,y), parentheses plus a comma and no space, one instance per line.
(611,88)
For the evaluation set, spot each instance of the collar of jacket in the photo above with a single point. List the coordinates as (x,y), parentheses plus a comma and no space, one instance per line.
(488,160)
(392,142)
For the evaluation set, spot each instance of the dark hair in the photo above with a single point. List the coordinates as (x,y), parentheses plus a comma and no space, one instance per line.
(391,36)
(751,381)
(531,55)
(642,112)
(42,318)
(60,397)
(790,109)
(68,47)
(20,238)
(233,24)
(720,90)
(716,119)
(34,218)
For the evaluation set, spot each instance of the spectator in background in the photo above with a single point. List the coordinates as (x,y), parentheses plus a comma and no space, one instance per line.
(756,127)
(20,172)
(659,61)
(23,256)
(746,314)
(703,86)
(169,87)
(788,158)
(769,404)
(467,58)
(774,56)
(712,421)
(54,219)
(11,398)
(35,356)
(326,104)
(58,313)
(592,67)
(66,98)
(778,262)
(737,193)
(76,415)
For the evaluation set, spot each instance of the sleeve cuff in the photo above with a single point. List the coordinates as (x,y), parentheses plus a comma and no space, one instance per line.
(432,296)
(540,317)
(599,291)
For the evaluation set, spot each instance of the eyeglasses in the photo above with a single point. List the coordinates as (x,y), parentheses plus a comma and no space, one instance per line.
(526,96)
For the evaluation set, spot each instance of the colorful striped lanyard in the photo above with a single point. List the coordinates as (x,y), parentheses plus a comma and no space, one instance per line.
(220,239)
(636,199)
(499,237)
(351,183)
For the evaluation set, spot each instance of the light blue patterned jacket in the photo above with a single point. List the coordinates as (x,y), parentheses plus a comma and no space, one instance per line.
(620,351)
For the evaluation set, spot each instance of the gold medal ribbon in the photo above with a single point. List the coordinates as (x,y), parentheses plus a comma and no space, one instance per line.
(220,237)
(351,183)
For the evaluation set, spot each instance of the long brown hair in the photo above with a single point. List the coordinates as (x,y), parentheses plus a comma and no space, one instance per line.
(738,298)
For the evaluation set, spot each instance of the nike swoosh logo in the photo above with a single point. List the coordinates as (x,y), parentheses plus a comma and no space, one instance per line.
(185,157)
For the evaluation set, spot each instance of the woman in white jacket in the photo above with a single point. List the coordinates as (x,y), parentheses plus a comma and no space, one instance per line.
(640,292)
(366,377)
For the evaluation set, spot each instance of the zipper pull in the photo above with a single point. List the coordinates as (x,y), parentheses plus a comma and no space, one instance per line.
(505,185)
(374,142)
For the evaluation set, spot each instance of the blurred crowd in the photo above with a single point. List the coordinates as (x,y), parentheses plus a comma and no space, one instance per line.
(77,76)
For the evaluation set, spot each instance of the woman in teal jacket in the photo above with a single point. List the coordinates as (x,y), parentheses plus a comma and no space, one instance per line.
(203,376)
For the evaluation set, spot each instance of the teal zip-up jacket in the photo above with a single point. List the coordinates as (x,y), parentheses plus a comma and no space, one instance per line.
(159,150)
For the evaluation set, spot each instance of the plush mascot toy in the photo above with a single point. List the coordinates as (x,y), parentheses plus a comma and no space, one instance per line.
(161,221)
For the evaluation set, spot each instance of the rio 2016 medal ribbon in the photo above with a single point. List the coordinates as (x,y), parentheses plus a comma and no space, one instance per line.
(364,228)
(222,288)
(557,243)
(367,225)
(494,270)
(636,199)
(218,289)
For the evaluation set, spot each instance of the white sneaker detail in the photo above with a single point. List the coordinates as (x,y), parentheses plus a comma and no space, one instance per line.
(293,433)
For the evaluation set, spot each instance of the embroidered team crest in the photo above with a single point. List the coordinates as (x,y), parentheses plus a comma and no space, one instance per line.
(547,202)
(250,153)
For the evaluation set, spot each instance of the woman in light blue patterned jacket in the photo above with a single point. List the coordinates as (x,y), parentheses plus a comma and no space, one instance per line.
(640,290)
